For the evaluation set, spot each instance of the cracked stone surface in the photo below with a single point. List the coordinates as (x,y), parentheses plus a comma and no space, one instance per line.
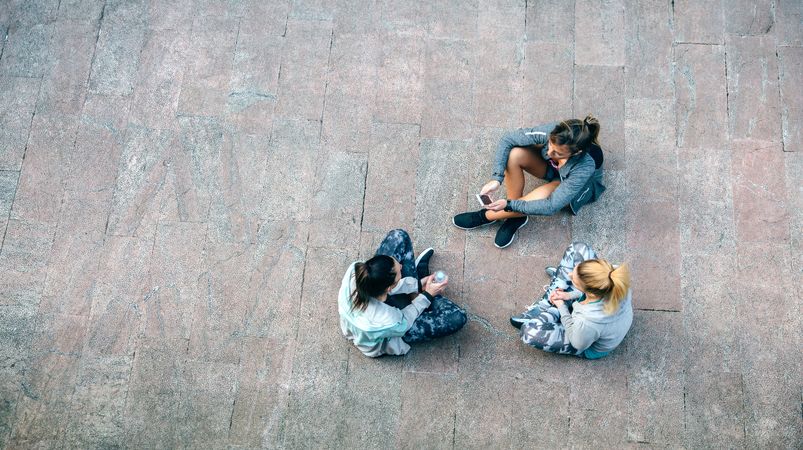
(183,183)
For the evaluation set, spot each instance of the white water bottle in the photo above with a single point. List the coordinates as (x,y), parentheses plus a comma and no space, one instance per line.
(440,276)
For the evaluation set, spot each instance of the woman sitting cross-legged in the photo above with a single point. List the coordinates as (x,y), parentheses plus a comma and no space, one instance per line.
(586,310)
(565,154)
(391,301)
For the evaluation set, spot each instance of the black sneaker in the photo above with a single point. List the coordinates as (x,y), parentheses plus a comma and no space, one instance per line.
(507,231)
(470,220)
(422,263)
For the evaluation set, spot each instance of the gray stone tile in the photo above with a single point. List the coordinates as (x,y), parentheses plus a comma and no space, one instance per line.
(706,212)
(321,355)
(98,404)
(27,52)
(64,84)
(293,152)
(701,94)
(428,408)
(255,77)
(272,271)
(490,406)
(350,93)
(448,84)
(656,378)
(655,274)
(600,223)
(749,17)
(600,33)
(390,193)
(545,19)
(787,22)
(302,81)
(400,79)
(8,187)
(648,49)
(122,286)
(18,99)
(177,265)
(441,180)
(753,100)
(715,414)
(87,10)
(503,20)
(599,91)
(373,401)
(497,84)
(159,78)
(759,199)
(546,84)
(791,67)
(699,22)
(151,419)
(337,204)
(141,178)
(707,305)
(120,42)
(453,19)
(650,150)
(23,261)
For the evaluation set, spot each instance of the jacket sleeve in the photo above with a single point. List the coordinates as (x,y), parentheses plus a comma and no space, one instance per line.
(568,189)
(580,336)
(523,137)
(409,314)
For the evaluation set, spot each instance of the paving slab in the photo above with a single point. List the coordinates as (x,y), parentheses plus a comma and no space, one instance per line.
(400,79)
(119,44)
(18,99)
(544,19)
(699,22)
(648,49)
(390,199)
(64,83)
(791,63)
(599,91)
(302,84)
(700,83)
(448,79)
(753,102)
(749,18)
(545,88)
(787,23)
(350,93)
(599,33)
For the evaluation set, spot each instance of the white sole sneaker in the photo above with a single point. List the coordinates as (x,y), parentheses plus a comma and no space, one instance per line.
(422,254)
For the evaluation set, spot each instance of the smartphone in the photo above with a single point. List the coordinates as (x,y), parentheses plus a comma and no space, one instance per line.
(484,199)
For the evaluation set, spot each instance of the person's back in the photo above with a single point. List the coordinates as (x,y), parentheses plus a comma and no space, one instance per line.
(611,329)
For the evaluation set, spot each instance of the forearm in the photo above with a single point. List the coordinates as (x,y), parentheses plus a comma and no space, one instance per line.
(415,308)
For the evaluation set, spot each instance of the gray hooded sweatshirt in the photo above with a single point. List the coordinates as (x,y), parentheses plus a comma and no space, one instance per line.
(588,327)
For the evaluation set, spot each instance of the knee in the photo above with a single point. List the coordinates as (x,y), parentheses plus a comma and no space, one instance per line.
(459,319)
(517,156)
(582,248)
(399,234)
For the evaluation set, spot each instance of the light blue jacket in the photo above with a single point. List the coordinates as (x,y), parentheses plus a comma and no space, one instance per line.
(378,329)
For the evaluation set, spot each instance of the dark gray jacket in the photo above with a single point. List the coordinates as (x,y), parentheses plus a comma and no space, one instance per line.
(580,181)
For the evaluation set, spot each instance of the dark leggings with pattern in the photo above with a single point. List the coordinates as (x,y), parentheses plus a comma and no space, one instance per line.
(443,317)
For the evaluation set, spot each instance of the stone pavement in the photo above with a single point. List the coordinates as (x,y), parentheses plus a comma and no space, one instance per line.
(183,183)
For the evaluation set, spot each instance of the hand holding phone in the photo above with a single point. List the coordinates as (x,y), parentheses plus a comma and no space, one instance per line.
(484,199)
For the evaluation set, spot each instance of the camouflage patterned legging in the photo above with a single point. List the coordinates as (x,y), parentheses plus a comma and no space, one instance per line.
(547,332)
(443,317)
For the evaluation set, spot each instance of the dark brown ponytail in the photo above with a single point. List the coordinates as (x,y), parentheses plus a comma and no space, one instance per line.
(576,134)
(372,278)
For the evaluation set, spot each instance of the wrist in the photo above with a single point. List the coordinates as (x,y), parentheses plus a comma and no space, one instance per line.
(507,206)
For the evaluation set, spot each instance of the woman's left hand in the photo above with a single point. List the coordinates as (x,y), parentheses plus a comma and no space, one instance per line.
(557,297)
(498,205)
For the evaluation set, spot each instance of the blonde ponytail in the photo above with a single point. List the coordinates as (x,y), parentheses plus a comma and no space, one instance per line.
(600,278)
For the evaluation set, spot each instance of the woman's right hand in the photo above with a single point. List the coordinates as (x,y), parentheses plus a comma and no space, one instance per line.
(434,288)
(490,187)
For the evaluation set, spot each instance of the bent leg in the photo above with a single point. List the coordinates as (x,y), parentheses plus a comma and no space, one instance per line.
(539,193)
(548,334)
(398,244)
(520,160)
(576,253)
(441,319)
